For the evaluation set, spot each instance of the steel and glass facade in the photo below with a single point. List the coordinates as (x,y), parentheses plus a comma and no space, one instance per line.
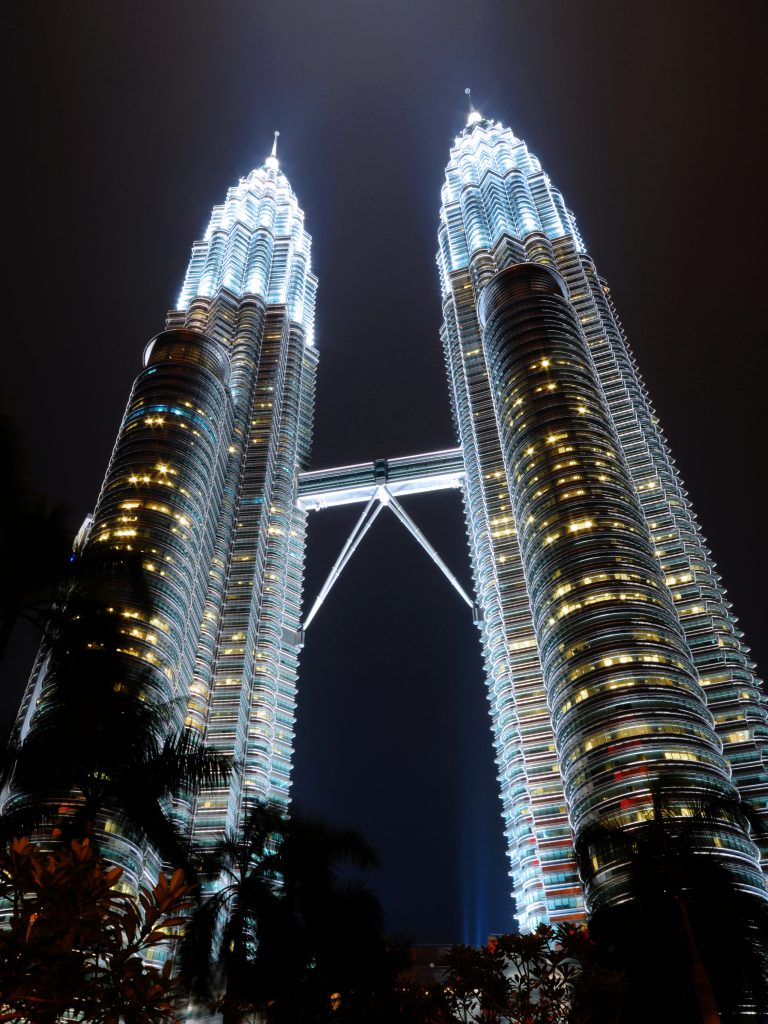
(250,285)
(202,483)
(612,657)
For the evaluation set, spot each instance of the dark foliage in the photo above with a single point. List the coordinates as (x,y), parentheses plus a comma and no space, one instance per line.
(100,742)
(35,542)
(692,941)
(75,948)
(302,936)
(551,976)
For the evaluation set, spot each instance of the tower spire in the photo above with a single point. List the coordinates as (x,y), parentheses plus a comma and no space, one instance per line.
(271,160)
(473,116)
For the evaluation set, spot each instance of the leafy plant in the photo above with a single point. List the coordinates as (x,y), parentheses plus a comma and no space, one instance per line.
(78,948)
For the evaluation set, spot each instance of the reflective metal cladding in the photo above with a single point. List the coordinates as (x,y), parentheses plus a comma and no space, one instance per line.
(202,484)
(613,660)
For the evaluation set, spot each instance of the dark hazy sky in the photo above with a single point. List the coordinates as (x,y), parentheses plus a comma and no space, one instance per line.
(127,121)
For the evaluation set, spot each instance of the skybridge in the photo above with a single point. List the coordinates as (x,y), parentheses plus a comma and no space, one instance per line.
(413,474)
(378,485)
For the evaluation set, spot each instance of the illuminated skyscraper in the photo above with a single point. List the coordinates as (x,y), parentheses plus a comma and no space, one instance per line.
(249,285)
(202,483)
(613,661)
(612,656)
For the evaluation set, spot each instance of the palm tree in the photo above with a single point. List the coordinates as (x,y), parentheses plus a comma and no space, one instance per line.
(691,939)
(35,542)
(291,933)
(99,743)
(221,938)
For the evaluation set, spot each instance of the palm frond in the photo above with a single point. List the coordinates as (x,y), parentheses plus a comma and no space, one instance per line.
(185,764)
(198,953)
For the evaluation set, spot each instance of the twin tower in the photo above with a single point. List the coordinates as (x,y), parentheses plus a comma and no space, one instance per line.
(613,662)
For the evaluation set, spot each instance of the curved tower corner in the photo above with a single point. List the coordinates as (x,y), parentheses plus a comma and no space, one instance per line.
(155,516)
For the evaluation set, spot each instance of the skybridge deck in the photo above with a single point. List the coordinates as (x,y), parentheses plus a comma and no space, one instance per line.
(411,474)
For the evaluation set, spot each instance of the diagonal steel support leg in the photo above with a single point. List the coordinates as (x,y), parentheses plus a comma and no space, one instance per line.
(409,524)
(361,527)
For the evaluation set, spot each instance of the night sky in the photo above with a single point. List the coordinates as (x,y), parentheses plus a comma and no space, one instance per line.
(126,122)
